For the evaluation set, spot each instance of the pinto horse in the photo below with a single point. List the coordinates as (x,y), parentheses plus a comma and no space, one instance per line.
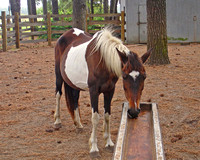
(95,63)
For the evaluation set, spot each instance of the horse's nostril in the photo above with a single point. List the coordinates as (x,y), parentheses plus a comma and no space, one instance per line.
(132,113)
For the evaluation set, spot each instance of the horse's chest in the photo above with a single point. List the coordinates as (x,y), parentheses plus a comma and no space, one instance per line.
(76,67)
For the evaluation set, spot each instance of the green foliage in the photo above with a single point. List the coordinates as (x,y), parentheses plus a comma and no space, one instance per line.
(40,11)
(175,39)
(65,7)
(54,28)
(49,7)
(98,7)
(38,2)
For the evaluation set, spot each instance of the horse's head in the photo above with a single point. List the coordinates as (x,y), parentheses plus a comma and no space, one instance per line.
(133,74)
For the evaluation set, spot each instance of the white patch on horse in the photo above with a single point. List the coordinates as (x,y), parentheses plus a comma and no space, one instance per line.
(134,74)
(76,67)
(57,112)
(77,120)
(93,137)
(77,31)
(106,129)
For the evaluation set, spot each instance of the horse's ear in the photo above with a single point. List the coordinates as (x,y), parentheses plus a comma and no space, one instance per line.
(146,55)
(122,56)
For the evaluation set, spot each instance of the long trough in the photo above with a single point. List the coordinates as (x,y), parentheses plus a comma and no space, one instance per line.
(140,139)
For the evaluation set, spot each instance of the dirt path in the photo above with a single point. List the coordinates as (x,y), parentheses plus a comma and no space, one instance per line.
(27,103)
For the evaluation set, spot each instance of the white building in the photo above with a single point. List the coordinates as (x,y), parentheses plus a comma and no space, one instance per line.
(183,20)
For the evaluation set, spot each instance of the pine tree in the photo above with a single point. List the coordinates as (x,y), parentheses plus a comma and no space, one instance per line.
(157,32)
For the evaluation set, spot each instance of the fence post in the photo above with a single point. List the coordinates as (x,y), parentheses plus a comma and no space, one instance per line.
(8,22)
(32,27)
(17,29)
(122,26)
(4,31)
(49,28)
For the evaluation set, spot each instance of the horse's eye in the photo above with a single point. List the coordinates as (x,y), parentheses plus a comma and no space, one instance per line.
(124,76)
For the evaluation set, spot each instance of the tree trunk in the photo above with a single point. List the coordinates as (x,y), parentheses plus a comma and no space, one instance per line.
(101,4)
(79,14)
(55,9)
(15,7)
(113,6)
(29,7)
(116,6)
(92,6)
(44,4)
(88,7)
(33,9)
(18,5)
(105,6)
(157,32)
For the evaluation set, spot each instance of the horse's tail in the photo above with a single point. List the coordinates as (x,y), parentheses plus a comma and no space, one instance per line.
(69,99)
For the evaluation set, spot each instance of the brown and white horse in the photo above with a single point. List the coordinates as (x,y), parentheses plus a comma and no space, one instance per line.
(94,63)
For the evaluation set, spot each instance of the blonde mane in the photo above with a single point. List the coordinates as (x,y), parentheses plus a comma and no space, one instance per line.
(106,43)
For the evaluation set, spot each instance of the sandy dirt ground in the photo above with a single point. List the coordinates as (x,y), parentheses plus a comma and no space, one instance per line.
(27,104)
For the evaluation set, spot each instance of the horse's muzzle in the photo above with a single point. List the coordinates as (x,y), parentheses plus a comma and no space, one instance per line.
(133,113)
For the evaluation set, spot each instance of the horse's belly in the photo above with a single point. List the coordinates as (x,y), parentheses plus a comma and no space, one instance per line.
(76,67)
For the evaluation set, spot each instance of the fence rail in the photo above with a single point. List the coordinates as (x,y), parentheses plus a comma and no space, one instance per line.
(41,28)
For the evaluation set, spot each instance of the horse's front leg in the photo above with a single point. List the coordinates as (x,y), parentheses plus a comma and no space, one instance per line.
(106,125)
(95,120)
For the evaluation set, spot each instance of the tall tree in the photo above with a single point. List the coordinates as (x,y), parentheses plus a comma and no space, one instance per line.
(55,9)
(15,6)
(44,5)
(105,6)
(65,6)
(33,7)
(157,32)
(29,6)
(113,6)
(116,2)
(101,5)
(92,6)
(79,13)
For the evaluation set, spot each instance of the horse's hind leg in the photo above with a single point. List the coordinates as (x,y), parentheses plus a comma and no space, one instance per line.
(59,82)
(106,125)
(72,97)
(77,120)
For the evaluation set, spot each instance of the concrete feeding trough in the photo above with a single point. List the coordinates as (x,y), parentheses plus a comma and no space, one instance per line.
(140,139)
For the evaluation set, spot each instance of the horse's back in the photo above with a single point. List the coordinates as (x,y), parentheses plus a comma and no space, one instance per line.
(70,57)
(66,39)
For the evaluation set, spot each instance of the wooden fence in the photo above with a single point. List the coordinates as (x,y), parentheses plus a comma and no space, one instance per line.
(19,29)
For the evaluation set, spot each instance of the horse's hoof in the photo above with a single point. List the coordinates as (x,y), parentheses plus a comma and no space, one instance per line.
(57,126)
(95,155)
(109,149)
